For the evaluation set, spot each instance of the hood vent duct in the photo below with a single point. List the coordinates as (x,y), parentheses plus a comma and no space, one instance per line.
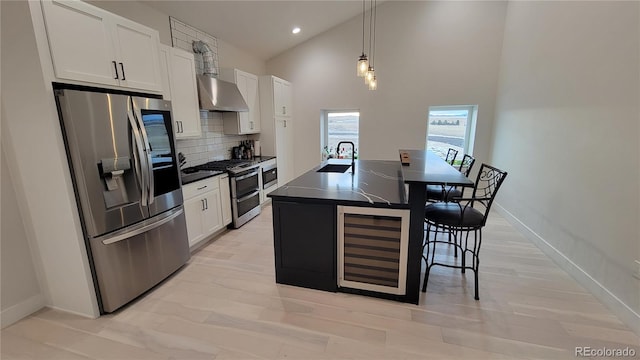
(215,94)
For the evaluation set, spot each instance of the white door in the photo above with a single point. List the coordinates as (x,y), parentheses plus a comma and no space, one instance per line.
(212,215)
(193,214)
(138,57)
(80,42)
(225,200)
(186,112)
(253,103)
(243,116)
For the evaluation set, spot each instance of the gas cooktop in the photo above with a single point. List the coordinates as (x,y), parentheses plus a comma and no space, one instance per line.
(225,164)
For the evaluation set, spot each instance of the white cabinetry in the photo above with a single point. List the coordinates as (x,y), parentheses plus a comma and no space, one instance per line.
(225,199)
(276,136)
(179,86)
(282,97)
(92,45)
(244,122)
(204,209)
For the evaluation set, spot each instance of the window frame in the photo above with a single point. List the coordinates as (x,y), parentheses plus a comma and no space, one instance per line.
(470,130)
(324,128)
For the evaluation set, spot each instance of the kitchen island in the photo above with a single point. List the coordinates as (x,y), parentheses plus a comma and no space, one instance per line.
(345,231)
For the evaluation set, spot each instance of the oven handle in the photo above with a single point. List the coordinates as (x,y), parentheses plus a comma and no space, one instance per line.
(254,173)
(248,196)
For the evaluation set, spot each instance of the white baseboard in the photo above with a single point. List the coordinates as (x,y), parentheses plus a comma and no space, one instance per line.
(617,306)
(21,310)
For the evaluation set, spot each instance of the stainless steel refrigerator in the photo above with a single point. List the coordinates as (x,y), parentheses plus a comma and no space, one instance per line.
(124,167)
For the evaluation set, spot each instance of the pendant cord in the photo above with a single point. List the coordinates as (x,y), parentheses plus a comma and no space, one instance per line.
(373,49)
(363,6)
(370,29)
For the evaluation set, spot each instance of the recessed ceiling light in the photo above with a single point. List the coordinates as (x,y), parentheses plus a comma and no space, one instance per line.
(295,30)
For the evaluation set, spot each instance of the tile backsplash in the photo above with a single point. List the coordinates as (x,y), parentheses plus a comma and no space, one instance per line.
(212,145)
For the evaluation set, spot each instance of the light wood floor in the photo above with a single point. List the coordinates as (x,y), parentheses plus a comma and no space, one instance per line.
(225,304)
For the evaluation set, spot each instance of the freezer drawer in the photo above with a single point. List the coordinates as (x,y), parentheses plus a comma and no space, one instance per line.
(129,263)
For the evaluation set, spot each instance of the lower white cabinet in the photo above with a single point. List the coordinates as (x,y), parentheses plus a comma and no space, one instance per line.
(225,199)
(207,207)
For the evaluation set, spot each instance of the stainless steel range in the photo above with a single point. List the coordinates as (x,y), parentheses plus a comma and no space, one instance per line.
(245,189)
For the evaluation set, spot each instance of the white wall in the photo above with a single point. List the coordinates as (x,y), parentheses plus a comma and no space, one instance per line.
(20,294)
(567,130)
(427,53)
(41,177)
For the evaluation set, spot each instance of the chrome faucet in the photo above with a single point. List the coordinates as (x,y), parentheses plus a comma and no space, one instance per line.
(353,154)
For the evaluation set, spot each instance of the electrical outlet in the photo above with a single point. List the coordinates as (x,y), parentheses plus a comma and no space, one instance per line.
(636,274)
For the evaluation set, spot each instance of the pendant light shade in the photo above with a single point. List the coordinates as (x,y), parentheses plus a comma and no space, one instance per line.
(363,65)
(373,83)
(369,75)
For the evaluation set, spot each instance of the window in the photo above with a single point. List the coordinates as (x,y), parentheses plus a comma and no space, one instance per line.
(339,126)
(451,127)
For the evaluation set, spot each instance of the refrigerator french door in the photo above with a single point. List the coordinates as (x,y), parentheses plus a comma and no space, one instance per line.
(123,163)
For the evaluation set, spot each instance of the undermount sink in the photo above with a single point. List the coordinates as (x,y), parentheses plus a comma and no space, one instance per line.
(335,168)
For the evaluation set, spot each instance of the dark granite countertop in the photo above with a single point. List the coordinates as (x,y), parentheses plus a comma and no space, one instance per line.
(375,183)
(428,168)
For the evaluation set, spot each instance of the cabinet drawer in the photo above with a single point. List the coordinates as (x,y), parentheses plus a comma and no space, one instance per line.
(200,187)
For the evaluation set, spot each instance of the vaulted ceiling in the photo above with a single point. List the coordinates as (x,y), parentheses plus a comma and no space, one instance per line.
(262,28)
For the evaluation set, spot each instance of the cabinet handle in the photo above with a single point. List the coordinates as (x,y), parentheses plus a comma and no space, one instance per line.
(115,67)
(202,187)
(206,204)
(202,201)
(179,125)
(122,67)
(283,110)
(285,123)
(251,122)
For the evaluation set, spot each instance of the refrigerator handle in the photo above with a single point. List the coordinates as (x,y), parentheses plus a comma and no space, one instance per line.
(138,157)
(147,149)
(119,236)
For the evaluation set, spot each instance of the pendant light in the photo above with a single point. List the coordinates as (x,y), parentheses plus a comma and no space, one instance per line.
(370,77)
(363,62)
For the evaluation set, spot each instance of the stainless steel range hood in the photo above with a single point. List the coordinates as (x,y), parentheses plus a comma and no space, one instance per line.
(217,95)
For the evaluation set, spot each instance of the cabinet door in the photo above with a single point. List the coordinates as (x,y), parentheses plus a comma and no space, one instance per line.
(284,150)
(212,217)
(165,71)
(282,97)
(225,200)
(305,244)
(193,213)
(184,94)
(253,102)
(137,49)
(80,42)
(244,125)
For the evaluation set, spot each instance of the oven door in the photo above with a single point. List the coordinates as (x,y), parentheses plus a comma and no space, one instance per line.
(244,183)
(245,208)
(269,177)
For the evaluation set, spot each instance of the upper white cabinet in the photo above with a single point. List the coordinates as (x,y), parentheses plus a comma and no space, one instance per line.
(179,86)
(282,97)
(245,122)
(92,45)
(276,137)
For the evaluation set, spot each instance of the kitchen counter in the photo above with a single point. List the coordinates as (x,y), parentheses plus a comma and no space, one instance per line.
(188,177)
(344,232)
(375,183)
